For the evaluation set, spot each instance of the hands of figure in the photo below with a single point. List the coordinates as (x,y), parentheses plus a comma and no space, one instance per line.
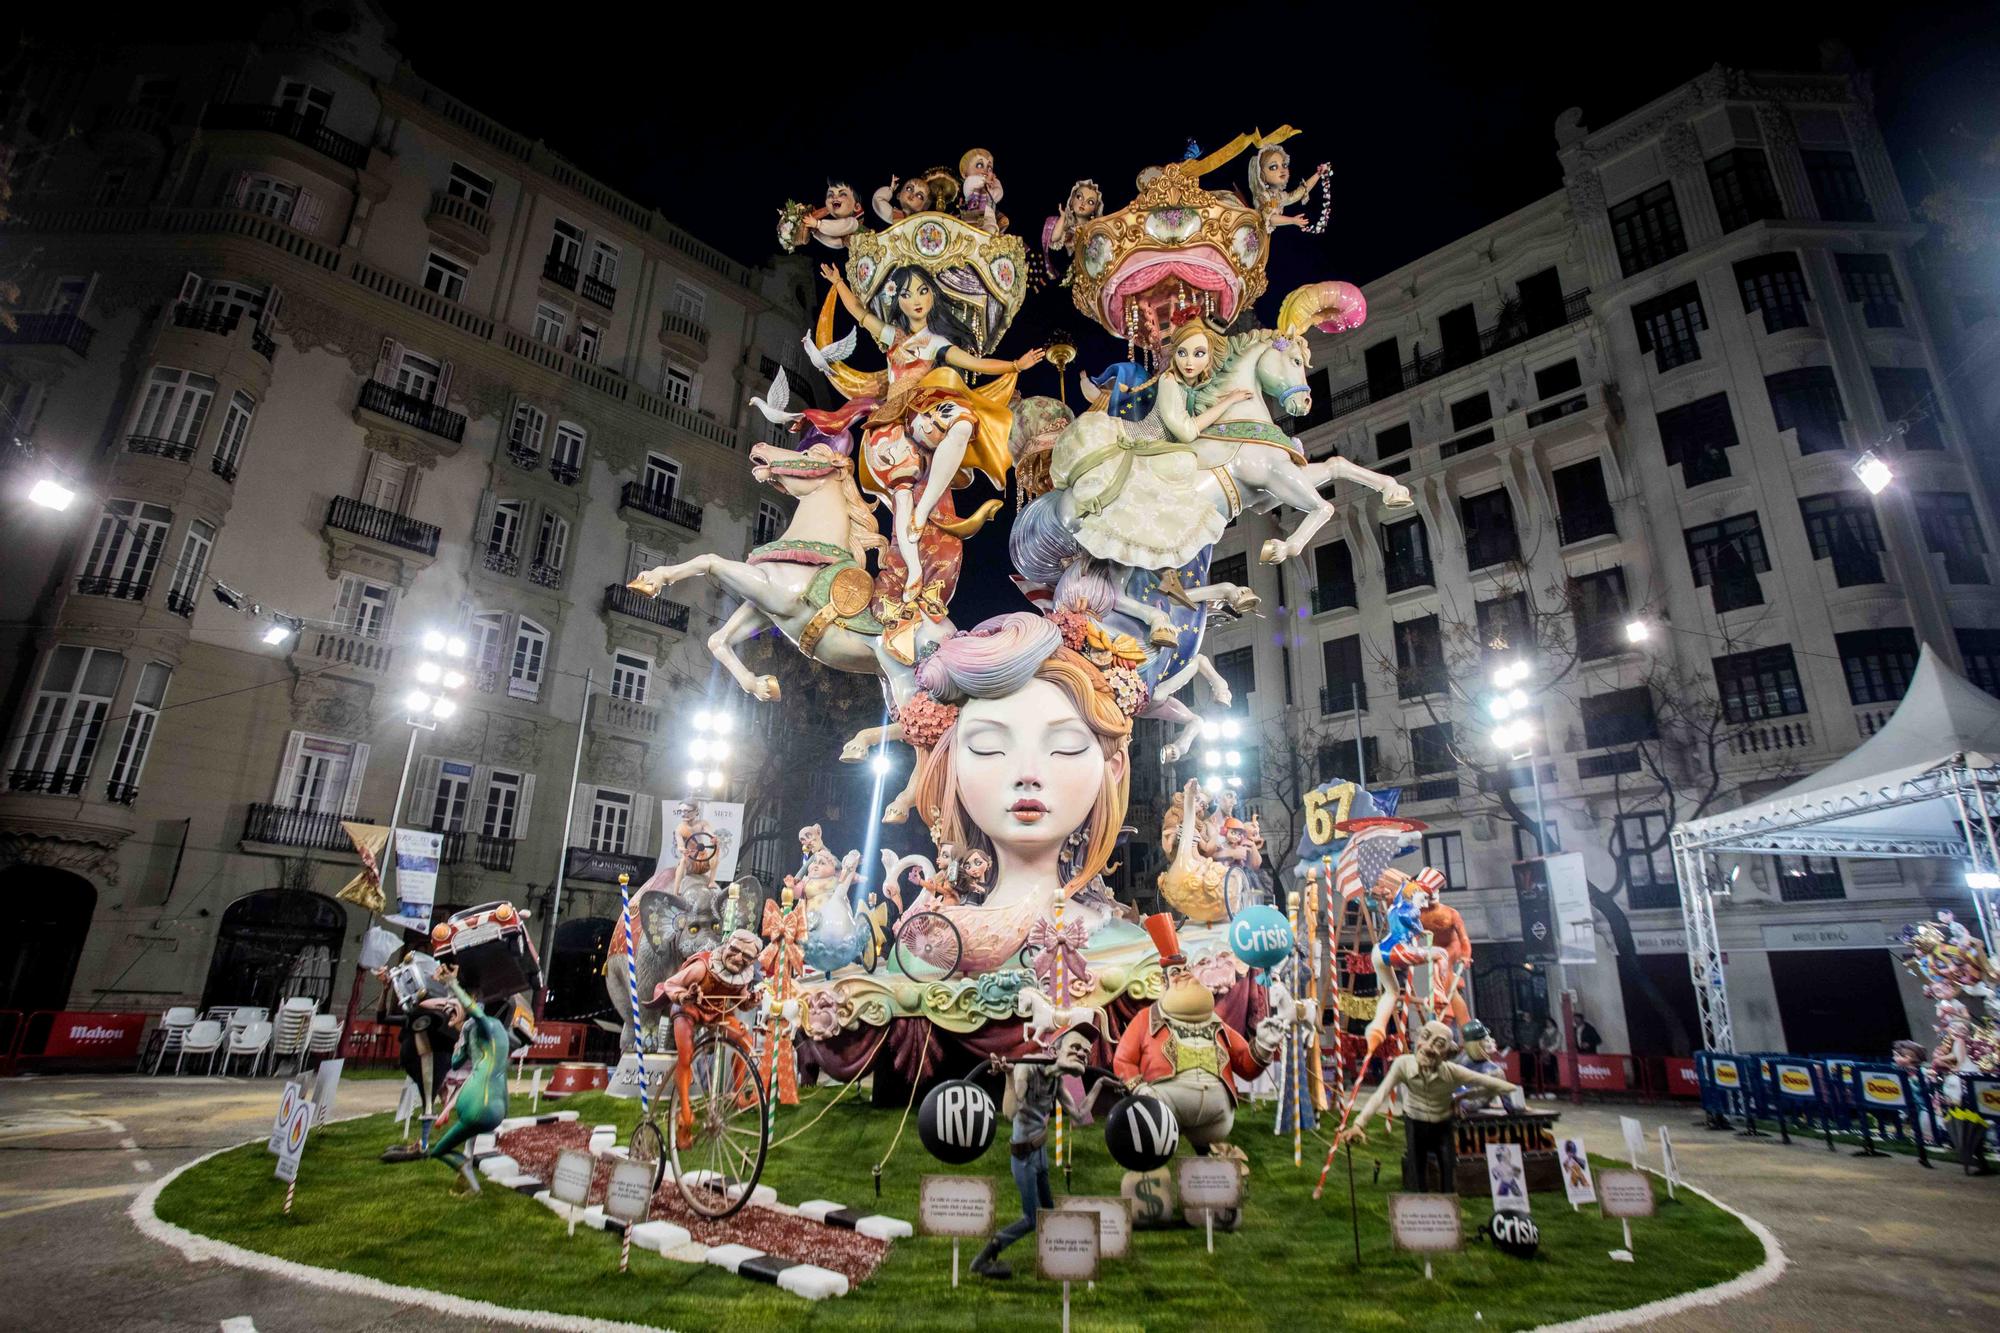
(832,275)
(894,181)
(1238,396)
(1354,1134)
(810,222)
(1030,358)
(1001,1066)
(447,973)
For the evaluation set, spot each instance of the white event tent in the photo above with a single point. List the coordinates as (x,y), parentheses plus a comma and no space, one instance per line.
(1925,784)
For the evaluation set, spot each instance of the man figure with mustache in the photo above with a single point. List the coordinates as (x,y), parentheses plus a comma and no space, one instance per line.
(1428,1081)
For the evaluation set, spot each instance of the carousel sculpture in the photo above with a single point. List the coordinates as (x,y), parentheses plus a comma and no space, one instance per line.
(1022,725)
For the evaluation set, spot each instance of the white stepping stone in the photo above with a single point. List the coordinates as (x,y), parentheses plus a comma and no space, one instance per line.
(660,1236)
(484,1143)
(593,1217)
(500,1164)
(730,1257)
(884,1228)
(812,1282)
(817,1209)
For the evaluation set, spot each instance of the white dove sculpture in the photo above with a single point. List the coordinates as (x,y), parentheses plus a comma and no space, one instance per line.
(831,354)
(775,409)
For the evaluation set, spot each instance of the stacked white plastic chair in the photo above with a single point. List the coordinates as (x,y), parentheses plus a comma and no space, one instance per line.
(324,1038)
(167,1040)
(248,1041)
(291,1028)
(202,1038)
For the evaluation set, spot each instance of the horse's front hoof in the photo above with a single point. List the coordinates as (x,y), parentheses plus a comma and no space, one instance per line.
(1245,602)
(1273,552)
(1170,754)
(766,690)
(854,752)
(1399,498)
(1163,636)
(646,584)
(898,810)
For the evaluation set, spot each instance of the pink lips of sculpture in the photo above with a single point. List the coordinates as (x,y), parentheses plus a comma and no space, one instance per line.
(1028,810)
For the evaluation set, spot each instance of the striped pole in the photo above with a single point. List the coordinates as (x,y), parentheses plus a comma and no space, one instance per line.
(1061,999)
(290,1185)
(625,1249)
(632,984)
(1296,1050)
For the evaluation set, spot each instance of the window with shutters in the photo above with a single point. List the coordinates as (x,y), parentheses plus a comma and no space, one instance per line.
(363,607)
(489,648)
(503,535)
(1599,606)
(502,815)
(1776,285)
(588,339)
(233,300)
(662,477)
(566,243)
(1420,667)
(1871,284)
(551,550)
(1646,229)
(1238,666)
(1744,190)
(1878,663)
(1620,717)
(690,301)
(640,559)
(1642,845)
(1908,407)
(419,376)
(1667,325)
(630,677)
(1841,526)
(677,384)
(1490,535)
(531,650)
(1445,853)
(1346,685)
(1759,685)
(65,719)
(465,183)
(610,820)
(320,774)
(133,747)
(566,457)
(1726,558)
(445,276)
(387,483)
(524,432)
(1430,749)
(269,195)
(126,550)
(551,325)
(185,587)
(604,263)
(1808,400)
(1698,436)
(1406,554)
(1951,529)
(175,406)
(1836,186)
(451,798)
(235,431)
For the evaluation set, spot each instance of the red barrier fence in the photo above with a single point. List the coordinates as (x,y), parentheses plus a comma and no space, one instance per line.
(110,1036)
(559,1041)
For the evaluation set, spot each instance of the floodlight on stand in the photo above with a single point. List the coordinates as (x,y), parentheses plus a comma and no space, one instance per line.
(1211,731)
(702,720)
(444,707)
(429,673)
(433,642)
(1875,474)
(417,701)
(714,779)
(1499,706)
(453,679)
(718,750)
(1233,758)
(1212,783)
(51,494)
(722,722)
(1212,759)
(697,748)
(277,634)
(454,647)
(1231,729)
(1637,631)
(1982,879)
(695,777)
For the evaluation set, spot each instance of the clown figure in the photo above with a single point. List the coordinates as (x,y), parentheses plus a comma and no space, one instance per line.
(707,992)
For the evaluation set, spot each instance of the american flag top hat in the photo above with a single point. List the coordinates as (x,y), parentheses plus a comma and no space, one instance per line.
(1430,879)
(1372,843)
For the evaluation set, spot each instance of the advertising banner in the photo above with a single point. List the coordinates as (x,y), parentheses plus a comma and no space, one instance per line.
(1569,900)
(417,857)
(722,818)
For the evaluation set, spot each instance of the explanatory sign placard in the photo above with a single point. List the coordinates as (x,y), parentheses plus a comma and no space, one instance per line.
(1625,1193)
(293,1145)
(1066,1245)
(1209,1182)
(571,1184)
(629,1197)
(955,1205)
(1425,1223)
(294,1093)
(1114,1215)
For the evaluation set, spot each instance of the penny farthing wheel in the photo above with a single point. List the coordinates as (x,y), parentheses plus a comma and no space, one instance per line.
(718,1160)
(650,1146)
(927,947)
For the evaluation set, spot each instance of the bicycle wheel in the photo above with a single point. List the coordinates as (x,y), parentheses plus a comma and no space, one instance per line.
(927,947)
(649,1145)
(723,1156)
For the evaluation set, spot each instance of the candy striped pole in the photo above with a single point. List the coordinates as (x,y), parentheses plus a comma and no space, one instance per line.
(625,1249)
(632,984)
(290,1185)
(1061,999)
(1295,1048)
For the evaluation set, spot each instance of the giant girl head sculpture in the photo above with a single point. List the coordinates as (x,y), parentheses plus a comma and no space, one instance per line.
(1026,753)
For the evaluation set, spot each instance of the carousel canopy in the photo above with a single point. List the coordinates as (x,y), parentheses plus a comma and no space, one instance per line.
(1895,794)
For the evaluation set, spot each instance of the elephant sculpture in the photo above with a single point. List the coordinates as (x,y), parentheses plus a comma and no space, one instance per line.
(674,926)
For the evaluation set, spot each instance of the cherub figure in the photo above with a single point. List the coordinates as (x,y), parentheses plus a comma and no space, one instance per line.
(1270,175)
(837,219)
(1085,202)
(900,199)
(983,192)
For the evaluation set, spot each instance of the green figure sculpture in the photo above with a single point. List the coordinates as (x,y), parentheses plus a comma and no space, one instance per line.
(482,1101)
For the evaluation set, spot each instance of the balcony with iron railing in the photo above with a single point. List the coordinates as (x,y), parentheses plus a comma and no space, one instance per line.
(595,289)
(386,400)
(181,604)
(1342,699)
(502,561)
(223,469)
(125,590)
(495,853)
(47,781)
(524,457)
(382,525)
(156,446)
(49,330)
(279,826)
(564,473)
(660,504)
(1524,327)
(655,610)
(121,793)
(302,129)
(560,271)
(543,574)
(1433,789)
(202,319)
(1334,597)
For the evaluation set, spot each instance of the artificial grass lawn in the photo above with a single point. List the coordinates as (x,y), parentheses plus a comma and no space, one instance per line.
(1290,1266)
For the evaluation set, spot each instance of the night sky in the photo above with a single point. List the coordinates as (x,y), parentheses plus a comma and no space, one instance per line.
(1436,123)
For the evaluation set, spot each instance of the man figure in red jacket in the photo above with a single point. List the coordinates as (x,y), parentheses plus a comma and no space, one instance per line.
(1181,1053)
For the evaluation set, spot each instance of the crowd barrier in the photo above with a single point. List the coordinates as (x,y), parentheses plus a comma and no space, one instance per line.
(1874,1102)
(77,1035)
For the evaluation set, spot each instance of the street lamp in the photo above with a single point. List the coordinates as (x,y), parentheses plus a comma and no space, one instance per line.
(1637,631)
(429,702)
(1873,472)
(51,494)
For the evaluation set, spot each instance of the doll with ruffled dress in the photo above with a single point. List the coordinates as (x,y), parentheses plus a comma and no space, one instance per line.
(1271,191)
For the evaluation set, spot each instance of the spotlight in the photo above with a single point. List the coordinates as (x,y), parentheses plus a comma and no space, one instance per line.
(1873,472)
(277,634)
(454,646)
(444,708)
(695,777)
(417,701)
(429,673)
(722,723)
(718,750)
(714,779)
(702,720)
(51,495)
(1211,731)
(1637,631)
(453,679)
(1231,729)
(1213,759)
(1214,783)
(1982,879)
(697,748)
(1233,758)
(433,642)
(1499,706)
(880,763)
(1235,781)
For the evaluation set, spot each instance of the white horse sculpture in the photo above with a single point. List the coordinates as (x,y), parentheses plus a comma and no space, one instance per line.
(812,583)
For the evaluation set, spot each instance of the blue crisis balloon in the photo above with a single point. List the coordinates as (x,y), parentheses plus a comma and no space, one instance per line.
(1260,936)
